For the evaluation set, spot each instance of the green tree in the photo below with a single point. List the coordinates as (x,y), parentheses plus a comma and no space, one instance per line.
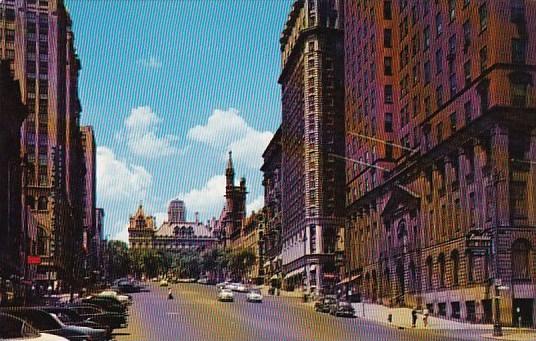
(118,259)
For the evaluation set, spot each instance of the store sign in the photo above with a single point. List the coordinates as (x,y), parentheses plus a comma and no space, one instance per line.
(34,260)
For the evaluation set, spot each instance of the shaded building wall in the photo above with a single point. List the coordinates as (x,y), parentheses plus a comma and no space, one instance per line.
(440,215)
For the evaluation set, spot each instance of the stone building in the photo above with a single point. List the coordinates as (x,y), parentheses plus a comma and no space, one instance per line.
(13,243)
(441,139)
(271,170)
(90,198)
(175,234)
(312,140)
(234,212)
(252,238)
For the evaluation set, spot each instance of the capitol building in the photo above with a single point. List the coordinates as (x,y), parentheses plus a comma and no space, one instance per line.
(173,235)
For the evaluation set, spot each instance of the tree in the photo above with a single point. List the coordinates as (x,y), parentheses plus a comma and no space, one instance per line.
(118,259)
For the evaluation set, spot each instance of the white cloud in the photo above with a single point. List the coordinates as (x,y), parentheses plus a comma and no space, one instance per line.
(151,62)
(256,205)
(141,128)
(206,200)
(122,235)
(228,129)
(117,180)
(160,218)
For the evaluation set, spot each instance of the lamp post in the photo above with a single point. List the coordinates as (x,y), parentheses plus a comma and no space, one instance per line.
(306,264)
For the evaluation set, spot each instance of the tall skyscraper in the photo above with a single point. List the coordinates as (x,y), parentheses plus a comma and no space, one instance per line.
(312,139)
(441,132)
(38,42)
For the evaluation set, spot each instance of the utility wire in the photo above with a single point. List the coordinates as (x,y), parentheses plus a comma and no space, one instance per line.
(382,141)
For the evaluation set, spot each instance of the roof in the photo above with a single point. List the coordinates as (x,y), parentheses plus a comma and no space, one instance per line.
(168,229)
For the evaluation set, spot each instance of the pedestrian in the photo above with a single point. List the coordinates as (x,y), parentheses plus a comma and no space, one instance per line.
(414,318)
(170,295)
(425,314)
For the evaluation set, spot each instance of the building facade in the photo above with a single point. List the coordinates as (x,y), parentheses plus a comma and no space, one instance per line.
(98,240)
(271,182)
(38,43)
(13,244)
(90,198)
(234,212)
(312,139)
(440,124)
(174,235)
(252,238)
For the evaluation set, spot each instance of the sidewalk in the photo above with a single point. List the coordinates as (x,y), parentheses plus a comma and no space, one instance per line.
(401,318)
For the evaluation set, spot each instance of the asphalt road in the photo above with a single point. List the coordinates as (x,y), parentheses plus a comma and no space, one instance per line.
(195,314)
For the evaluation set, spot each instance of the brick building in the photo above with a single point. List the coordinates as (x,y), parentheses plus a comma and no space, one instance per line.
(271,169)
(312,139)
(38,42)
(441,137)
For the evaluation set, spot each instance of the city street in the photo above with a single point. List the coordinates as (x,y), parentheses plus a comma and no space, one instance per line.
(195,314)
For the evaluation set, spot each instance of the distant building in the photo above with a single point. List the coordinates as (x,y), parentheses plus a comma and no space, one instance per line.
(441,143)
(173,235)
(90,196)
(14,237)
(252,238)
(312,140)
(98,240)
(230,221)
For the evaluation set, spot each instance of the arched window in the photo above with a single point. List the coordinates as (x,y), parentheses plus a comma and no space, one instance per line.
(521,260)
(430,271)
(455,258)
(441,262)
(42,203)
(42,242)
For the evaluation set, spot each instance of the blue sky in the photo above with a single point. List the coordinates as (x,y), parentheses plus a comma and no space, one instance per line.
(170,87)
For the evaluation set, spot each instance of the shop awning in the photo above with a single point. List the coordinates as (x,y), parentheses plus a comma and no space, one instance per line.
(294,273)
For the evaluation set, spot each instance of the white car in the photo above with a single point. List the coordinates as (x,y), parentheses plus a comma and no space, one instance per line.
(231,286)
(14,328)
(241,288)
(226,295)
(254,295)
(163,283)
(110,293)
(222,285)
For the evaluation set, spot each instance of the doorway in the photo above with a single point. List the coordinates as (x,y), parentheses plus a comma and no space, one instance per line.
(523,308)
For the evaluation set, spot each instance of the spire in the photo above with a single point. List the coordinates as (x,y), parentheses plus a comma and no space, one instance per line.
(229,170)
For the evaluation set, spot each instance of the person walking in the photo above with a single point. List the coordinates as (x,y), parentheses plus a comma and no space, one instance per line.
(425,314)
(414,318)
(170,295)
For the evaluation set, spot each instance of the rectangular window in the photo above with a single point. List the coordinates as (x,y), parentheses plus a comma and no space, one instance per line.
(388,122)
(517,11)
(452,10)
(453,121)
(427,106)
(439,24)
(387,10)
(388,66)
(466,36)
(387,38)
(389,151)
(467,72)
(427,73)
(518,199)
(483,58)
(483,16)
(472,208)
(439,96)
(426,34)
(452,85)
(452,46)
(439,60)
(468,109)
(519,94)
(439,132)
(519,51)
(388,93)
(457,211)
(416,106)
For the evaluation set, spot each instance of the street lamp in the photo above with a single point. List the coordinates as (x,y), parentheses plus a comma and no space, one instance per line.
(306,264)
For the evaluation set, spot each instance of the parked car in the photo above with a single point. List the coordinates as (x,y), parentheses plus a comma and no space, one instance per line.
(164,283)
(124,299)
(226,295)
(202,281)
(98,315)
(342,308)
(186,280)
(231,286)
(70,317)
(106,304)
(127,287)
(222,285)
(14,328)
(239,287)
(323,304)
(254,295)
(49,323)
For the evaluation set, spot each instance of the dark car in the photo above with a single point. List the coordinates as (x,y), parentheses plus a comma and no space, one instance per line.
(106,304)
(98,315)
(323,304)
(128,287)
(342,308)
(15,328)
(49,323)
(70,317)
